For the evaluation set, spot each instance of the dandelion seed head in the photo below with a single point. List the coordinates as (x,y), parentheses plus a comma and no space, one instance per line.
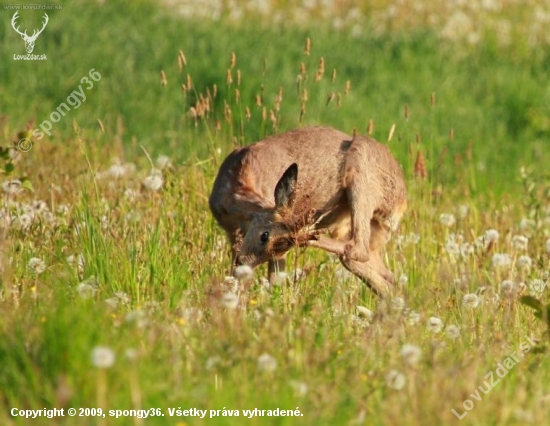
(413,318)
(24,221)
(280,278)
(230,300)
(244,273)
(130,194)
(39,207)
(447,219)
(525,262)
(116,171)
(491,236)
(103,357)
(501,260)
(411,354)
(508,287)
(395,380)
(527,224)
(434,324)
(36,266)
(300,388)
(365,313)
(12,187)
(470,301)
(520,242)
(154,181)
(267,363)
(397,304)
(163,161)
(85,290)
(452,331)
(463,211)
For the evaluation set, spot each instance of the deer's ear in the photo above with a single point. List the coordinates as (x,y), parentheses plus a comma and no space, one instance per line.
(285,191)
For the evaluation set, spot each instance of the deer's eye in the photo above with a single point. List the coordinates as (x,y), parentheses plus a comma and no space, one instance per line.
(264,237)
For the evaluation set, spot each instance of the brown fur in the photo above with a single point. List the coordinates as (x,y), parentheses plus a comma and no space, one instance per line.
(344,195)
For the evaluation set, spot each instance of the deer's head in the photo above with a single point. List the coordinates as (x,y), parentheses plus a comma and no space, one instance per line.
(29,40)
(273,232)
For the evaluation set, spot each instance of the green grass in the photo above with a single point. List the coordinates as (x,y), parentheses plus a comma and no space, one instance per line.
(142,272)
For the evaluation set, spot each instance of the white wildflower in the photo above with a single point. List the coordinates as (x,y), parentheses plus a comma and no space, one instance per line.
(130,194)
(364,313)
(154,181)
(231,282)
(466,249)
(463,210)
(123,297)
(413,318)
(452,247)
(230,300)
(434,324)
(280,278)
(470,300)
(138,317)
(501,260)
(411,354)
(267,363)
(163,161)
(12,187)
(116,171)
(395,380)
(103,357)
(527,224)
(520,242)
(300,388)
(85,290)
(244,273)
(452,331)
(525,262)
(508,287)
(403,280)
(39,207)
(491,236)
(447,219)
(397,304)
(112,302)
(36,266)
(24,221)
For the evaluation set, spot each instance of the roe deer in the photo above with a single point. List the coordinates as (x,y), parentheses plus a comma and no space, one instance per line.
(314,187)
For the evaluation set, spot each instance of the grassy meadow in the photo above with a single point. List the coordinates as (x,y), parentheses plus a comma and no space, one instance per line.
(115,291)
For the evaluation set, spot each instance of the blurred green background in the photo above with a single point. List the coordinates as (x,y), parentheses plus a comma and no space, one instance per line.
(487,68)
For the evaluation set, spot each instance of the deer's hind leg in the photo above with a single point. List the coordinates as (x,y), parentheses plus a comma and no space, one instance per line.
(364,197)
(373,271)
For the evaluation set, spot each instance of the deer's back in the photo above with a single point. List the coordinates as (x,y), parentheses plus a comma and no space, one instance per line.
(247,178)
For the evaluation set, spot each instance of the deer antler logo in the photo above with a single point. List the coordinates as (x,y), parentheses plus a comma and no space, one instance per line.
(29,40)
